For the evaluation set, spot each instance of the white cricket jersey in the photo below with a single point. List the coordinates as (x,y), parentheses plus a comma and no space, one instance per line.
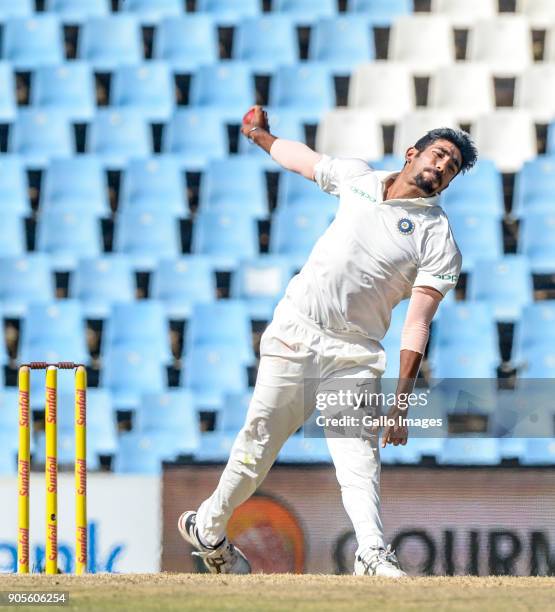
(373,252)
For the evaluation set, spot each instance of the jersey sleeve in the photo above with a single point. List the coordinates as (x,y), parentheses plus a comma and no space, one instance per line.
(441,261)
(330,173)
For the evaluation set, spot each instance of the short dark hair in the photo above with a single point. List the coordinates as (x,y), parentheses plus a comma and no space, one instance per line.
(459,138)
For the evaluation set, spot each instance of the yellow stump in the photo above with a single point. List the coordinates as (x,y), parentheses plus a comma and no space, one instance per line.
(80,470)
(23,471)
(51,471)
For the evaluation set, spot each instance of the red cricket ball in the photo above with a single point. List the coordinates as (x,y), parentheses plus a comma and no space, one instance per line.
(248,117)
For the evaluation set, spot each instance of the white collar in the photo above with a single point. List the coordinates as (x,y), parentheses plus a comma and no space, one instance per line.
(384,175)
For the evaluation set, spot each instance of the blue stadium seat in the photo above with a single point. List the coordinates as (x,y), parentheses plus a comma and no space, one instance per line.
(305,12)
(381,12)
(77,11)
(180,283)
(67,236)
(142,454)
(8,454)
(118,136)
(539,362)
(229,12)
(215,447)
(266,42)
(306,88)
(128,374)
(147,237)
(294,191)
(12,234)
(401,455)
(225,237)
(69,87)
(13,186)
(537,241)
(524,413)
(195,136)
(109,42)
(30,42)
(75,183)
(505,284)
(234,412)
(154,183)
(534,186)
(235,184)
(470,451)
(478,236)
(172,413)
(535,328)
(21,8)
(148,88)
(388,163)
(261,282)
(99,282)
(223,323)
(342,42)
(38,136)
(8,104)
(23,280)
(480,191)
(539,451)
(9,418)
(298,449)
(152,11)
(227,87)
(463,362)
(187,42)
(392,340)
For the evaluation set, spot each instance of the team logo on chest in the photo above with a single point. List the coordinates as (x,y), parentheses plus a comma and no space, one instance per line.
(405,226)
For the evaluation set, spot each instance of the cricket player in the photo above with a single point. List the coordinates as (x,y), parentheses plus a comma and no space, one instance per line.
(390,240)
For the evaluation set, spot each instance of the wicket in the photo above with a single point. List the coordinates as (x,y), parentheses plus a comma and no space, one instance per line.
(51,465)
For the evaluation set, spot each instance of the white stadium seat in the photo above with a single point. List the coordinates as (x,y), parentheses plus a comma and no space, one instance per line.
(465,89)
(350,133)
(507,137)
(416,124)
(385,88)
(463,14)
(541,13)
(505,43)
(534,92)
(425,42)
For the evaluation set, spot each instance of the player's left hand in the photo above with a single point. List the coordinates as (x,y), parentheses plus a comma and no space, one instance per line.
(398,433)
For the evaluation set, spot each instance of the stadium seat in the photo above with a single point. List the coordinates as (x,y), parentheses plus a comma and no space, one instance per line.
(392,340)
(464,16)
(294,190)
(478,236)
(181,283)
(8,454)
(342,43)
(140,326)
(152,184)
(266,42)
(227,87)
(534,186)
(8,104)
(77,11)
(195,136)
(388,163)
(223,323)
(306,88)
(524,414)
(298,449)
(381,13)
(9,421)
(392,99)
(234,411)
(463,362)
(13,186)
(147,237)
(215,447)
(21,8)
(225,237)
(537,241)
(532,92)
(465,90)
(38,136)
(479,191)
(504,43)
(30,42)
(349,133)
(401,455)
(67,236)
(12,234)
(108,42)
(507,137)
(235,184)
(23,280)
(69,88)
(229,12)
(539,363)
(470,451)
(505,284)
(187,42)
(413,126)
(535,328)
(305,12)
(150,12)
(118,136)
(539,451)
(147,88)
(540,13)
(99,282)
(128,374)
(424,42)
(142,454)
(77,184)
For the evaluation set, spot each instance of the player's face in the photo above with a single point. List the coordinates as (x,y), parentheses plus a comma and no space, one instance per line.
(432,169)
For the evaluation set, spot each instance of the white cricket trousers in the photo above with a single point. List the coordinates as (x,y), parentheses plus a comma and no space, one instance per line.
(295,353)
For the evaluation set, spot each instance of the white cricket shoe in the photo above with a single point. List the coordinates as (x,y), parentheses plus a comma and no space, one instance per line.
(224,558)
(378,561)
